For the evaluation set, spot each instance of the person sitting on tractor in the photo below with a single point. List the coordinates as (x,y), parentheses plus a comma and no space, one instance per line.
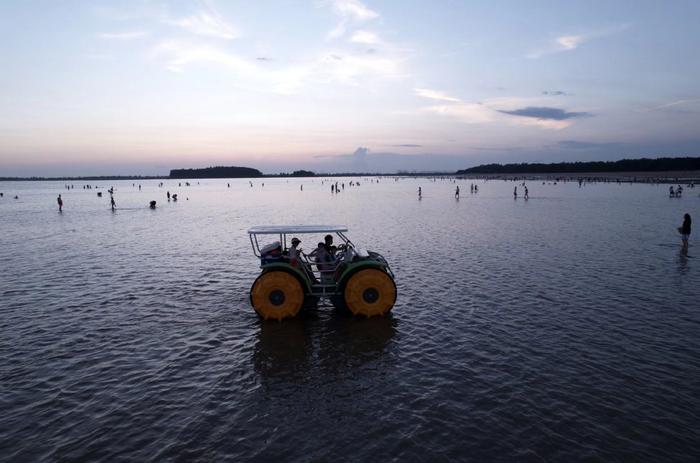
(324,261)
(294,252)
(330,249)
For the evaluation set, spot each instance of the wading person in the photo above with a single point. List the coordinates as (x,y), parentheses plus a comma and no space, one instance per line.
(112,203)
(684,230)
(60,203)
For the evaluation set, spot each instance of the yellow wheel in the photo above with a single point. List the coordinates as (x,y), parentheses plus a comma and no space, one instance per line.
(370,292)
(277,295)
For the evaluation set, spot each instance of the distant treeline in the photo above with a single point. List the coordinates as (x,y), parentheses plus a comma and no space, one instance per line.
(81,179)
(299,173)
(216,172)
(624,165)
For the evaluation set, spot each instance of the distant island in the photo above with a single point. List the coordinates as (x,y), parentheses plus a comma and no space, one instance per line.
(299,173)
(624,165)
(216,172)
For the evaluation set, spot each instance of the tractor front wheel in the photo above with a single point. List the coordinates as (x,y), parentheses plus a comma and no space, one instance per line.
(370,292)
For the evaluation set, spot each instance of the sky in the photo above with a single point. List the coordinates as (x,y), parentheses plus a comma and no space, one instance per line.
(142,87)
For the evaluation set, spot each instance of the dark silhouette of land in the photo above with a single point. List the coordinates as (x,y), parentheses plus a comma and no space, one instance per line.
(217,172)
(624,165)
(299,173)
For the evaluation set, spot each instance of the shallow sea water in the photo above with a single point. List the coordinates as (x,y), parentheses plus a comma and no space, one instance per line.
(562,328)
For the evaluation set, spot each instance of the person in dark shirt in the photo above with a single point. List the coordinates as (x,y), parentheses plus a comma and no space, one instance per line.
(330,249)
(684,230)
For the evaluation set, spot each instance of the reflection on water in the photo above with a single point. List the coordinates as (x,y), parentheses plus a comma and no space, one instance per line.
(283,350)
(319,344)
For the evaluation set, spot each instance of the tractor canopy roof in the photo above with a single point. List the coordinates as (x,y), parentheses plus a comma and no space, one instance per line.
(296,229)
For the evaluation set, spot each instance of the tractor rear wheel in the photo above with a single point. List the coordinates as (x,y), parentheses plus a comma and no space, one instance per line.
(277,295)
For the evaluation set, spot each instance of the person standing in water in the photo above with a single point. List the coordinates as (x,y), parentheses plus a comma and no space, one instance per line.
(60,203)
(526,193)
(457,192)
(684,230)
(420,193)
(515,193)
(112,203)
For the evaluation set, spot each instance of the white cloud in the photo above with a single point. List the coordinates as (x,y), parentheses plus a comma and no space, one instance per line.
(181,53)
(470,113)
(350,11)
(127,35)
(677,102)
(326,68)
(366,37)
(349,68)
(491,111)
(434,95)
(354,9)
(574,41)
(542,123)
(570,42)
(207,24)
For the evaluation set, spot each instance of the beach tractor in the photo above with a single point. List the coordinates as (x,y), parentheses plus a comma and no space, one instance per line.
(351,278)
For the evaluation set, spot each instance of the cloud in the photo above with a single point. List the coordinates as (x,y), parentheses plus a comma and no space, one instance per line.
(181,53)
(470,113)
(358,158)
(350,11)
(584,145)
(407,145)
(354,9)
(545,117)
(555,93)
(362,160)
(366,37)
(570,42)
(500,110)
(435,95)
(573,41)
(544,113)
(360,153)
(127,35)
(256,74)
(351,67)
(207,24)
(676,103)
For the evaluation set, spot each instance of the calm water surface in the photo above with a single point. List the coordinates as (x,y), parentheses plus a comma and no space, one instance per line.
(562,328)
